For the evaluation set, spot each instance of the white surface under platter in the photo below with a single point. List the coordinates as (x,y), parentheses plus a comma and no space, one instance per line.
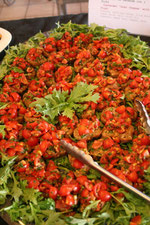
(5,39)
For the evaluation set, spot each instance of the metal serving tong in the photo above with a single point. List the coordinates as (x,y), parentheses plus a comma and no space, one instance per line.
(144,116)
(88,160)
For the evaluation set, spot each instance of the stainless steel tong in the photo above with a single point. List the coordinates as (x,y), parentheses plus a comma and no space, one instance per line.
(88,160)
(144,116)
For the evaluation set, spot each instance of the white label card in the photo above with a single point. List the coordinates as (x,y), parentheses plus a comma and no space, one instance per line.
(132,15)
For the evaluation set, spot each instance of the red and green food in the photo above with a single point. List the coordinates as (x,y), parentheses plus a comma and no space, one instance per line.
(79,84)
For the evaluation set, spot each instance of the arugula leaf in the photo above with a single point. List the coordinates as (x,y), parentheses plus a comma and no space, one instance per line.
(63,164)
(54,218)
(28,204)
(18,210)
(4,191)
(147,174)
(128,207)
(3,105)
(91,206)
(31,195)
(146,185)
(72,28)
(61,102)
(127,146)
(134,204)
(47,204)
(5,172)
(2,130)
(36,211)
(116,212)
(34,214)
(76,221)
(17,69)
(4,158)
(16,191)
(93,174)
(2,127)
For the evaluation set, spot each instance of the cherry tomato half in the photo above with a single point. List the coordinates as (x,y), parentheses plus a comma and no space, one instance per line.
(104,196)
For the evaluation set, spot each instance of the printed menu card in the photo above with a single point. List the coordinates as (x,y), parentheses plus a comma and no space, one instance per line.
(132,15)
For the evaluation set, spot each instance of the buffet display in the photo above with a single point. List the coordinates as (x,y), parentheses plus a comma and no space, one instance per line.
(79,84)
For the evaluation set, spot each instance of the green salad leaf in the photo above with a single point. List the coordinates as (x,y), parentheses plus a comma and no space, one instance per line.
(63,162)
(54,218)
(72,28)
(2,130)
(28,204)
(115,212)
(76,221)
(5,174)
(147,174)
(29,213)
(147,184)
(93,174)
(87,210)
(16,191)
(5,171)
(59,102)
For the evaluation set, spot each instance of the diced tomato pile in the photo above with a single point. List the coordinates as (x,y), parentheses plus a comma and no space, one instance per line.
(109,130)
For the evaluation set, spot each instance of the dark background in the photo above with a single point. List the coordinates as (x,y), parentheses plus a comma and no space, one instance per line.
(21,30)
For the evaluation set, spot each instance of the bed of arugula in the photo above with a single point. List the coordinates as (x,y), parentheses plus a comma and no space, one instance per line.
(27,205)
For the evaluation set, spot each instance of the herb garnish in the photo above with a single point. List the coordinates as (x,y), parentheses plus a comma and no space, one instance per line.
(59,102)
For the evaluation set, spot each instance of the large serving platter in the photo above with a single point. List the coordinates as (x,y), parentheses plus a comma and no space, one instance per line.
(145,73)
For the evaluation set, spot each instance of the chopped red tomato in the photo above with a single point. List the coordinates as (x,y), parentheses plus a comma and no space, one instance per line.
(136,220)
(104,196)
(77,164)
